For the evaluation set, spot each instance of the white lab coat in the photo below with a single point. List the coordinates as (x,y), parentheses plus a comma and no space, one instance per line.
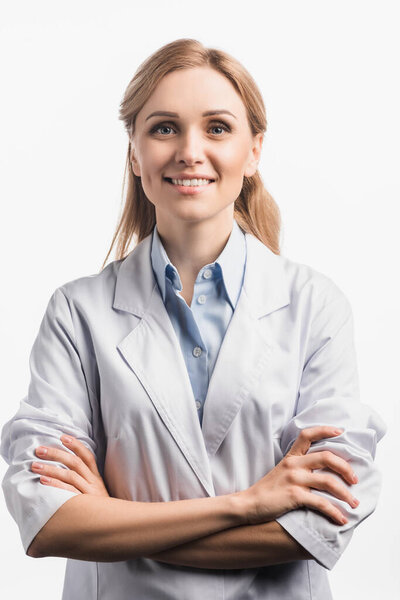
(107,367)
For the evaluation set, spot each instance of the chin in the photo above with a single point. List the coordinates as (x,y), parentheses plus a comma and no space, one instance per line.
(192,216)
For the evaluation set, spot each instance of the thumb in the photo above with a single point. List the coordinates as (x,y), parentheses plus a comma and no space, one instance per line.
(312,434)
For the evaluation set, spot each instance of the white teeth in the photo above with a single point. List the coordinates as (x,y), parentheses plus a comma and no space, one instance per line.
(191,182)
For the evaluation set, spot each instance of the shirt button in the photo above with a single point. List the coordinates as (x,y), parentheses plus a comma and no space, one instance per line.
(207,273)
(201,299)
(197,351)
(198,404)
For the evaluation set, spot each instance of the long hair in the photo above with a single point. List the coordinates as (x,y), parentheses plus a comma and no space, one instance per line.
(255,210)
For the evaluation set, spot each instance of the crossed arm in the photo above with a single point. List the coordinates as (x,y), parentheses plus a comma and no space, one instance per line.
(237,548)
(105,529)
(111,529)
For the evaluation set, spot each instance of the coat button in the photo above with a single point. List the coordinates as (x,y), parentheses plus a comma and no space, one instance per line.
(207,273)
(201,299)
(198,404)
(197,351)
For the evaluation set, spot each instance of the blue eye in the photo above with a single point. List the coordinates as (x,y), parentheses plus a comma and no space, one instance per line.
(217,125)
(160,127)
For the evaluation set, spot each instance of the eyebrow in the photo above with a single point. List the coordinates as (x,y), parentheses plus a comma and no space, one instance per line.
(164,113)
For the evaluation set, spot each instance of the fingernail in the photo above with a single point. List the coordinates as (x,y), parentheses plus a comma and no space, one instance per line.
(338,431)
(355,478)
(45,479)
(41,450)
(355,502)
(36,465)
(66,439)
(344,520)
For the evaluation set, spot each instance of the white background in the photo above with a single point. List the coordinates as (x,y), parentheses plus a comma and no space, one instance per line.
(328,72)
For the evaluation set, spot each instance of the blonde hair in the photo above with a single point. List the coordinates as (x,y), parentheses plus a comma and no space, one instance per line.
(255,210)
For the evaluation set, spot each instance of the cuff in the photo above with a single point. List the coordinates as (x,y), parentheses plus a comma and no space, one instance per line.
(296,524)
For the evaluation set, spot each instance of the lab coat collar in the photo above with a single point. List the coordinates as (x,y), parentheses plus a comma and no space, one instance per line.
(152,351)
(231,262)
(264,282)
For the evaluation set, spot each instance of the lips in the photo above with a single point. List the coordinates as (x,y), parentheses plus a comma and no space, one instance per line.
(189,190)
(182,178)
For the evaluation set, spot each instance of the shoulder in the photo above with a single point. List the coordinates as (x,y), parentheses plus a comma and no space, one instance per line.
(302,281)
(97,288)
(308,293)
(307,280)
(315,295)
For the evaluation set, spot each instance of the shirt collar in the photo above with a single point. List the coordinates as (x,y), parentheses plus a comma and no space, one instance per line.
(231,263)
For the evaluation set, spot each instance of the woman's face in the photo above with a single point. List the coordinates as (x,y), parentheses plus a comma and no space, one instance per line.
(220,147)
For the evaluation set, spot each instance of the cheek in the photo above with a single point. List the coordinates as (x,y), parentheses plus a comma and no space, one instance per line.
(152,159)
(232,160)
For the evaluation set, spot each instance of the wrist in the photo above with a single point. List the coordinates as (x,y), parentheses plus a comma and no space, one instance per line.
(241,507)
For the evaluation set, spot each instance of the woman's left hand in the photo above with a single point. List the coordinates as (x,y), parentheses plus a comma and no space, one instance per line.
(82,475)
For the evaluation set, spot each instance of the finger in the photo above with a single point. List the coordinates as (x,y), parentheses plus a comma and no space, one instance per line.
(327,483)
(82,451)
(327,459)
(71,461)
(57,483)
(321,504)
(311,434)
(65,475)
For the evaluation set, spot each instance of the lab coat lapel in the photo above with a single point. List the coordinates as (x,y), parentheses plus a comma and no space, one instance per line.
(247,346)
(153,352)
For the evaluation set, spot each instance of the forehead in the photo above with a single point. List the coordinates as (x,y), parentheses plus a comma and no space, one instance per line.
(190,92)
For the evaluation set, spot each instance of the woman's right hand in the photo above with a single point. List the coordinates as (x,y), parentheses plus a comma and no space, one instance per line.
(288,485)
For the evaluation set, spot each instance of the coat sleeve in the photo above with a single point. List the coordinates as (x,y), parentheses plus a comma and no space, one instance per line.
(329,395)
(58,401)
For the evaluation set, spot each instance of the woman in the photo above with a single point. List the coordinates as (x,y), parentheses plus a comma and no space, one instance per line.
(216,446)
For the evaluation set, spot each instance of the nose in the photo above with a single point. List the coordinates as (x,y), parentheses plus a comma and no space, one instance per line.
(190,148)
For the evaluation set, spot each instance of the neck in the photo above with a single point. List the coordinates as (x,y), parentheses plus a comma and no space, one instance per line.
(192,245)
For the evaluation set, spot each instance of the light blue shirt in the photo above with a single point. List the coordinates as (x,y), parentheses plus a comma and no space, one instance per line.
(201,327)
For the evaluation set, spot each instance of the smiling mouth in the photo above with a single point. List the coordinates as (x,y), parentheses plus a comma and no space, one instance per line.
(169,180)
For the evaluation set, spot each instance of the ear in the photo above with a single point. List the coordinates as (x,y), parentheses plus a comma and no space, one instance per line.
(134,162)
(254,155)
